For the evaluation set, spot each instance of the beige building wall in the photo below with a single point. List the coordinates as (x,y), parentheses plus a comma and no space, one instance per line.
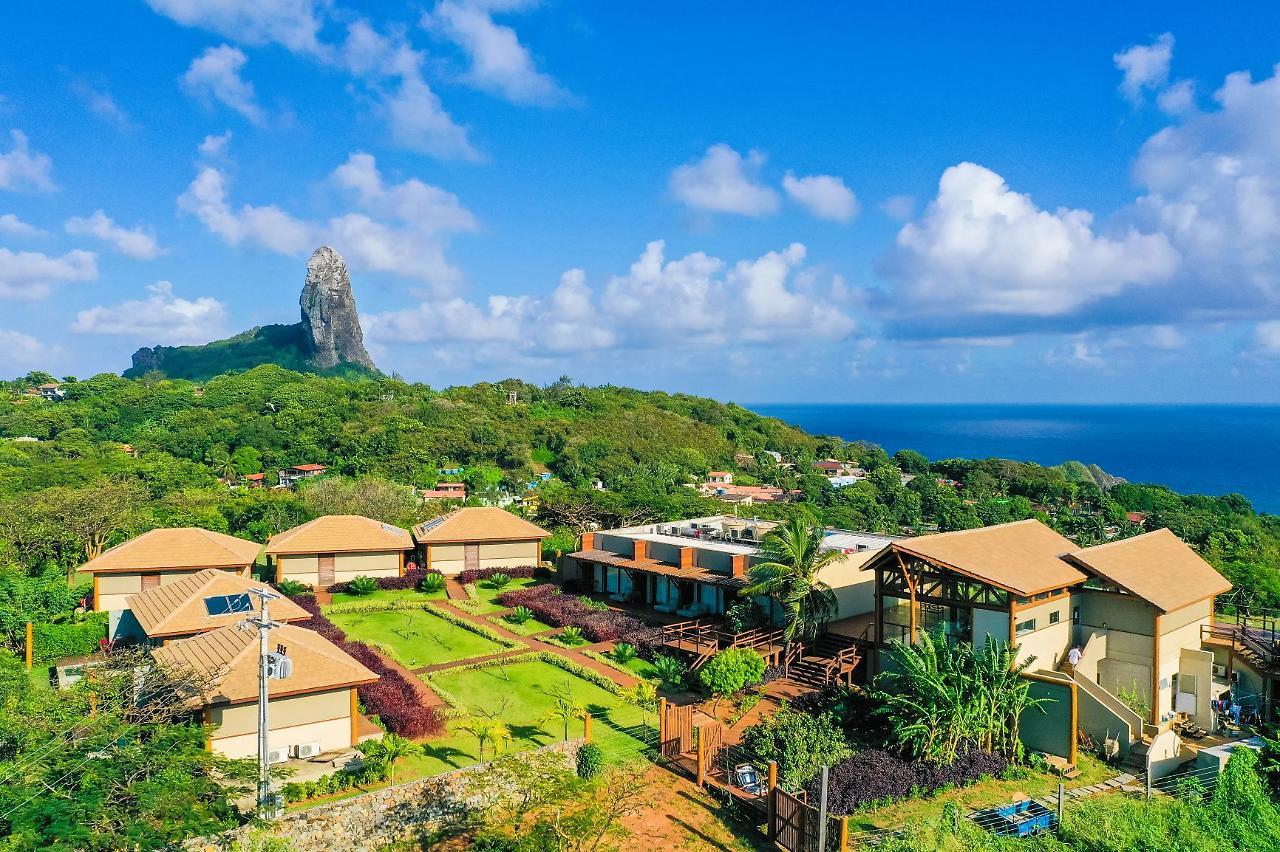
(446,558)
(1179,630)
(1051,639)
(304,567)
(855,589)
(451,559)
(317,717)
(114,588)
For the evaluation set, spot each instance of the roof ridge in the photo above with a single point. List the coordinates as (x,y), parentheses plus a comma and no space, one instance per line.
(1094,547)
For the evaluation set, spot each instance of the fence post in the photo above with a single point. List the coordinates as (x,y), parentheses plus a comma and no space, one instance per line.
(30,643)
(773,784)
(662,724)
(844,834)
(822,812)
(1061,796)
(586,727)
(702,758)
(1148,783)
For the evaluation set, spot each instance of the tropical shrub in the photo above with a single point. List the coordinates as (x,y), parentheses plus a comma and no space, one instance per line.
(431,582)
(559,610)
(801,744)
(670,670)
(475,575)
(71,639)
(499,580)
(290,588)
(362,586)
(412,578)
(743,616)
(944,698)
(623,652)
(876,777)
(519,615)
(731,671)
(590,761)
(572,636)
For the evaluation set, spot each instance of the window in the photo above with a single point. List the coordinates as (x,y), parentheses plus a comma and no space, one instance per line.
(1027,626)
(228,604)
(1075,615)
(1055,616)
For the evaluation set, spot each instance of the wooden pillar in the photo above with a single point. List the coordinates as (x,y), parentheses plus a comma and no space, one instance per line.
(662,723)
(355,719)
(586,727)
(30,644)
(402,563)
(911,591)
(773,783)
(844,834)
(93,704)
(1155,672)
(702,759)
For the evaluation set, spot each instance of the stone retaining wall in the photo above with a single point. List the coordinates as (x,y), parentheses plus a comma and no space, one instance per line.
(371,821)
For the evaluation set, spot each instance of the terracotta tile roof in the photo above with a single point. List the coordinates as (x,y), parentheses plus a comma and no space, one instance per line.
(1157,566)
(178,608)
(477,523)
(340,534)
(308,467)
(1024,557)
(176,547)
(229,656)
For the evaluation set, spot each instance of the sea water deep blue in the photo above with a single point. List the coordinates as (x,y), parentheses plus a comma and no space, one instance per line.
(1209,449)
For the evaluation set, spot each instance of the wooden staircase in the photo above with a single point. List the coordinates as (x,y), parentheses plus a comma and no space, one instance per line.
(828,660)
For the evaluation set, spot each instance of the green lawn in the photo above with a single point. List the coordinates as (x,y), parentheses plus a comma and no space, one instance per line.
(529,628)
(518,692)
(415,637)
(388,596)
(641,668)
(485,604)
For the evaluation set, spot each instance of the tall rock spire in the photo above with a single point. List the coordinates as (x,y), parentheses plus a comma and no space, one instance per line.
(329,318)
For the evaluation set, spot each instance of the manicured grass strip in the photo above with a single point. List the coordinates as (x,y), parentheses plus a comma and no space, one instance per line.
(483,596)
(635,667)
(517,689)
(417,636)
(529,628)
(385,596)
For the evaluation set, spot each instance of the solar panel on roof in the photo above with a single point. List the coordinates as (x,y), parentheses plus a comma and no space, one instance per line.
(391,529)
(433,523)
(228,604)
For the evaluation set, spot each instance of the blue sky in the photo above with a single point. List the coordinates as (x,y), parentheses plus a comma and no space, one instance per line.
(810,202)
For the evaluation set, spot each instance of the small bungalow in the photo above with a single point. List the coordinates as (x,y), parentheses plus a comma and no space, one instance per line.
(445,491)
(201,602)
(291,476)
(478,537)
(312,711)
(720,477)
(157,558)
(254,480)
(338,548)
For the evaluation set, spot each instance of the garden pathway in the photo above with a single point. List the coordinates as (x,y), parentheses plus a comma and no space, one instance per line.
(624,680)
(454,589)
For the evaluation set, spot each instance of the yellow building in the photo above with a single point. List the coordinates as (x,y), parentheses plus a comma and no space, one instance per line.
(478,537)
(311,712)
(337,549)
(157,558)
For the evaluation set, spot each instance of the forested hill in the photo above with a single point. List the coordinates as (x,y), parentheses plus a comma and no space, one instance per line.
(117,456)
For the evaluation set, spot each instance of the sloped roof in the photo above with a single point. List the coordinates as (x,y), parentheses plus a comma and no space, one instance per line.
(176,547)
(178,608)
(229,657)
(477,523)
(340,534)
(1023,557)
(1157,566)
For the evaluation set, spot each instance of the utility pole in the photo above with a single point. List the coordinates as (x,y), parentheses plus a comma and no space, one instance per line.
(267,806)
(822,812)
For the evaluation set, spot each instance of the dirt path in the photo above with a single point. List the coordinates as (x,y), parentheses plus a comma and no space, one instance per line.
(454,589)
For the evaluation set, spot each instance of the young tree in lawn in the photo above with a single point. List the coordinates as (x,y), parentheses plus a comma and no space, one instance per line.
(565,706)
(792,557)
(390,749)
(731,671)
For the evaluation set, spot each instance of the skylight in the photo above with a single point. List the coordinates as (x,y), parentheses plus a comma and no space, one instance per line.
(228,604)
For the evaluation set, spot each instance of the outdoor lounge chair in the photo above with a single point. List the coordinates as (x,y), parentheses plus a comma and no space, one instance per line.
(746,777)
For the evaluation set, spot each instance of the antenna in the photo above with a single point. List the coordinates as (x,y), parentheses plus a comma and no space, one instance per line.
(270,666)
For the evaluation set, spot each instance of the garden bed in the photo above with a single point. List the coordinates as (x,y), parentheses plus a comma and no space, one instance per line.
(417,636)
(482,597)
(552,607)
(387,596)
(528,628)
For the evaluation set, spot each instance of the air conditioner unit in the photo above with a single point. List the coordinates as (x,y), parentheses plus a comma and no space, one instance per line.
(277,755)
(1219,671)
(306,750)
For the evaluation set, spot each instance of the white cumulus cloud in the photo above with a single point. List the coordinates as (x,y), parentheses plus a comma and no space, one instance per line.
(215,76)
(162,317)
(723,181)
(499,63)
(15,227)
(138,243)
(19,349)
(981,249)
(825,196)
(22,169)
(293,23)
(30,275)
(1145,66)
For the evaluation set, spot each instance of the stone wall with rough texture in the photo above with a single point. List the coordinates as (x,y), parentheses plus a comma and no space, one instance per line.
(371,821)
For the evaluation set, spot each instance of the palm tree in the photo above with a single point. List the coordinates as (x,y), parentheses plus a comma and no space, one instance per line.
(565,707)
(390,749)
(792,558)
(487,730)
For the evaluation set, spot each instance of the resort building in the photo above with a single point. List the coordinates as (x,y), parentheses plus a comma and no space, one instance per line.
(1134,609)
(445,491)
(157,558)
(337,549)
(312,711)
(201,602)
(695,568)
(478,537)
(291,476)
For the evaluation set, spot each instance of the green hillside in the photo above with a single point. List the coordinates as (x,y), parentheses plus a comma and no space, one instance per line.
(282,345)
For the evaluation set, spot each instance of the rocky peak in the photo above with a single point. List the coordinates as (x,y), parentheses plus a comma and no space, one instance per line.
(329,317)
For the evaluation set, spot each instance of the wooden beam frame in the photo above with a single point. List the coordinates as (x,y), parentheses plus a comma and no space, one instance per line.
(911,590)
(1155,672)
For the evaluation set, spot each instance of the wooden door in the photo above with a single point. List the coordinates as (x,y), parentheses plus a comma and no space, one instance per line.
(471,556)
(150,581)
(324,567)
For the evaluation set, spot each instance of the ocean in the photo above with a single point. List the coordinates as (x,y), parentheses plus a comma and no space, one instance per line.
(1201,449)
